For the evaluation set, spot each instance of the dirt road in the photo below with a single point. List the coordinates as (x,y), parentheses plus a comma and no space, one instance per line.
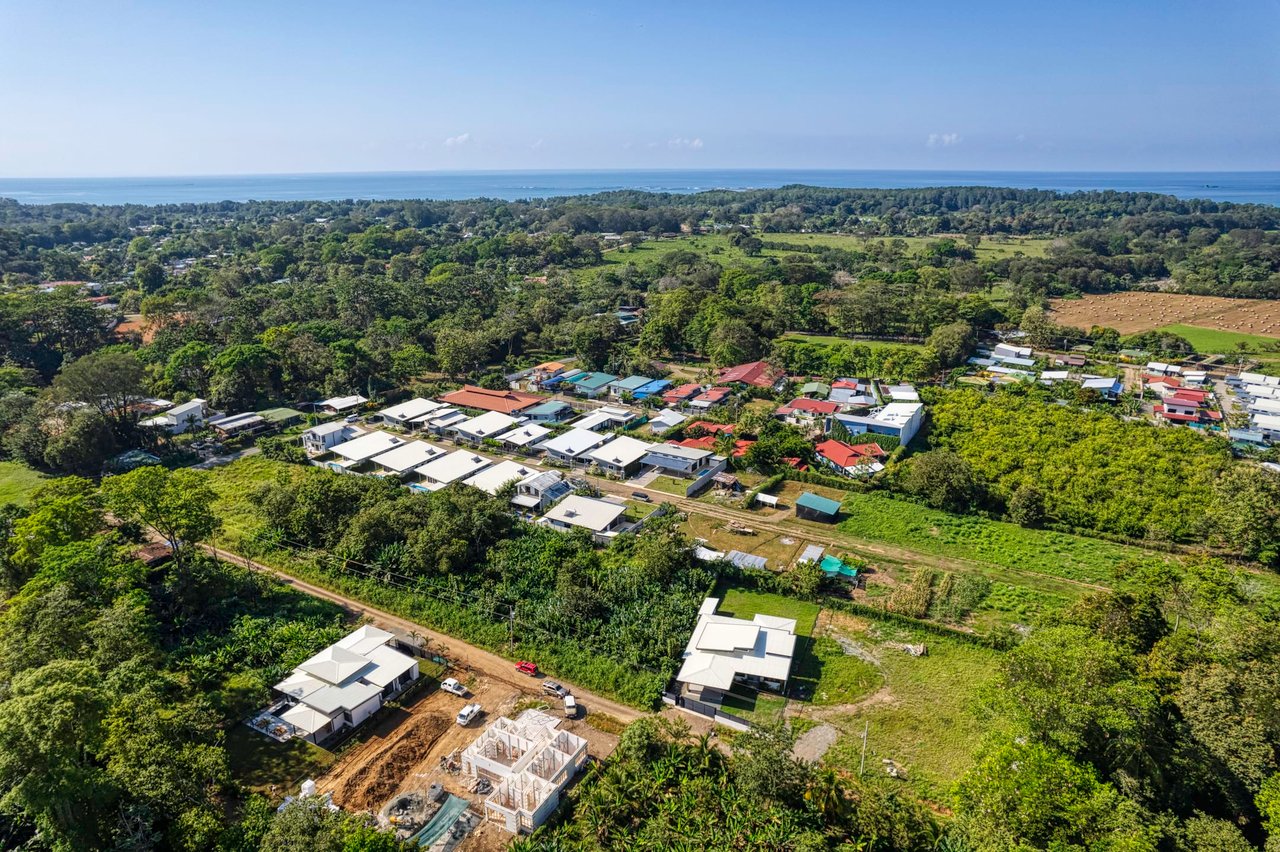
(477,660)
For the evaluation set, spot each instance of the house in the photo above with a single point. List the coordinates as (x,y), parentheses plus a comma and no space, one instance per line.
(1048,377)
(440,421)
(723,651)
(547,371)
(1004,351)
(628,386)
(540,491)
(558,380)
(815,389)
(1161,384)
(619,457)
(590,385)
(1110,388)
(483,399)
(405,459)
(681,394)
(340,404)
(849,398)
(530,762)
(229,425)
(344,684)
(570,447)
(710,398)
(851,459)
(653,388)
(551,411)
(181,418)
(454,467)
(900,420)
(757,374)
(351,454)
(1070,360)
(707,427)
(602,517)
(811,507)
(666,419)
(905,393)
(281,417)
(1159,368)
(802,411)
(606,418)
(708,442)
(491,424)
(491,479)
(1268,425)
(522,438)
(403,413)
(677,460)
(318,440)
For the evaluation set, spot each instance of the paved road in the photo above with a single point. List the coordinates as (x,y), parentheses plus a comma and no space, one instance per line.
(478,659)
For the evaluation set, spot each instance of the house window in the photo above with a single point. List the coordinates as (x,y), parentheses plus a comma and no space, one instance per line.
(346,716)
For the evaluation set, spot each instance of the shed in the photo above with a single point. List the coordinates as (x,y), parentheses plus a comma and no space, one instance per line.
(811,507)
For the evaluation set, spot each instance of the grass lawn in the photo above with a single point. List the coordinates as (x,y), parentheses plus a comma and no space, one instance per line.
(830,676)
(765,542)
(260,763)
(746,603)
(1212,340)
(17,481)
(754,705)
(987,249)
(670,485)
(236,483)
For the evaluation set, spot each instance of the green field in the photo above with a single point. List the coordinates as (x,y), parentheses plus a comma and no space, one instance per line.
(829,339)
(271,768)
(987,249)
(1215,341)
(17,482)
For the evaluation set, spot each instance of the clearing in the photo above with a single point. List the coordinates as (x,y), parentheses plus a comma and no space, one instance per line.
(1133,312)
(17,482)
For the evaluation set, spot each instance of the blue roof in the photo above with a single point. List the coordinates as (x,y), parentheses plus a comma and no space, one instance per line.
(1247,435)
(819,504)
(655,386)
(551,406)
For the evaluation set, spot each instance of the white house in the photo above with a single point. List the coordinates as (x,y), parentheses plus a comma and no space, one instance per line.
(606,418)
(600,516)
(723,650)
(406,458)
(402,414)
(899,419)
(620,456)
(357,451)
(1004,350)
(345,684)
(491,479)
(491,424)
(531,761)
(439,421)
(666,419)
(1110,388)
(180,418)
(339,404)
(523,438)
(444,470)
(538,492)
(318,440)
(570,447)
(687,462)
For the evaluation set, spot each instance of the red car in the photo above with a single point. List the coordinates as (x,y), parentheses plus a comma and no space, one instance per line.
(526,667)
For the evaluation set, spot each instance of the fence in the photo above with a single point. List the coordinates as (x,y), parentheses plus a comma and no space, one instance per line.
(710,711)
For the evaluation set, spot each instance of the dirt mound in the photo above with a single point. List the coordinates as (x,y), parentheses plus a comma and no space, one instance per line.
(373,775)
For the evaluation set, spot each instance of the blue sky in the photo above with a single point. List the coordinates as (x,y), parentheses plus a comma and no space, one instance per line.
(147,88)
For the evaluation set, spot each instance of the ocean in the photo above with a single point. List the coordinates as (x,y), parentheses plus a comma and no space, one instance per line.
(1240,187)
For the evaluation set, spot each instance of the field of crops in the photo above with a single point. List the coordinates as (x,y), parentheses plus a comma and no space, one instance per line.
(1142,311)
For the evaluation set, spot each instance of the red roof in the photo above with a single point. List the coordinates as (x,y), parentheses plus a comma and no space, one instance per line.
(484,399)
(682,393)
(713,395)
(1167,381)
(708,426)
(844,455)
(1172,415)
(847,385)
(813,406)
(708,442)
(795,462)
(1189,397)
(760,374)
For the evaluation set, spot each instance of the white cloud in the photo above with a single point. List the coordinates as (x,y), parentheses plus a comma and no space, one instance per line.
(694,144)
(537,145)
(457,141)
(942,140)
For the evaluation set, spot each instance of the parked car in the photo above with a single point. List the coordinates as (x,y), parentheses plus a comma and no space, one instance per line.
(451,684)
(550,687)
(570,707)
(640,495)
(466,714)
(526,667)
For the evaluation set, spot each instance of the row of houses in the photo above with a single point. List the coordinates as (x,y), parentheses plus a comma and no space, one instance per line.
(196,415)
(1259,395)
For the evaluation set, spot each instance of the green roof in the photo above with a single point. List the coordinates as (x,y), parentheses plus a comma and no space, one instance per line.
(594,381)
(818,504)
(276,415)
(814,387)
(551,406)
(631,383)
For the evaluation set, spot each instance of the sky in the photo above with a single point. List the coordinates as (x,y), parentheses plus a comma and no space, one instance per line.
(107,88)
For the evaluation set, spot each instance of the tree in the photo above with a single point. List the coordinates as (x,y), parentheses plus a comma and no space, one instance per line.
(952,342)
(1026,506)
(1245,515)
(65,510)
(78,441)
(944,480)
(149,276)
(177,505)
(110,379)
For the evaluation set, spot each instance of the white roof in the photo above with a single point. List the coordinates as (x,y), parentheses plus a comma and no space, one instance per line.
(305,719)
(1055,375)
(457,465)
(334,665)
(679,452)
(331,427)
(389,666)
(722,647)
(665,419)
(1099,383)
(367,446)
(898,413)
(621,451)
(523,436)
(186,408)
(443,418)
(487,425)
(1260,379)
(1269,422)
(348,696)
(604,417)
(588,512)
(491,479)
(407,456)
(1264,391)
(299,684)
(364,640)
(1015,351)
(338,403)
(1268,406)
(574,443)
(410,409)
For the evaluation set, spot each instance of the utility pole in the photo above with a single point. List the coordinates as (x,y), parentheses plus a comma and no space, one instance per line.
(511,625)
(862,764)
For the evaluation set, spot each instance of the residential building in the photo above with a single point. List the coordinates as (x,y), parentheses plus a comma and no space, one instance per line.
(602,517)
(540,491)
(1110,388)
(402,414)
(404,460)
(849,398)
(653,388)
(676,460)
(710,398)
(723,651)
(802,411)
(354,453)
(570,447)
(666,419)
(491,424)
(345,684)
(815,389)
(551,411)
(491,479)
(483,399)
(181,418)
(590,385)
(759,374)
(681,394)
(1005,350)
(342,404)
(851,459)
(628,386)
(811,507)
(898,419)
(531,761)
(318,440)
(444,470)
(619,457)
(440,421)
(245,423)
(1159,368)
(607,417)
(905,393)
(523,438)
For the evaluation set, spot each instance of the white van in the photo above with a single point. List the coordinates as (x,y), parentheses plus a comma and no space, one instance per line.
(570,707)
